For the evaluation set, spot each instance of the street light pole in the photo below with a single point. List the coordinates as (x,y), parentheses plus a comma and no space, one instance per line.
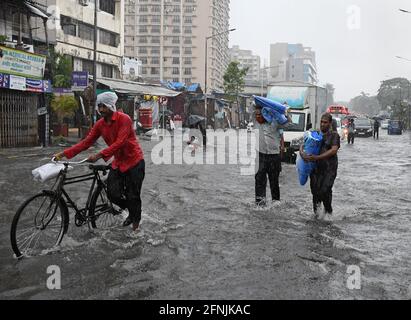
(262,78)
(93,112)
(206,70)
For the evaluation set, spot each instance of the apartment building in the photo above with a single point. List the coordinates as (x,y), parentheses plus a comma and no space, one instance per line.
(292,62)
(75,34)
(169,36)
(247,59)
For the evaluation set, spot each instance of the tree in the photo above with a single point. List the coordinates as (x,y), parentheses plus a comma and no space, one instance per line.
(366,104)
(234,80)
(61,69)
(64,106)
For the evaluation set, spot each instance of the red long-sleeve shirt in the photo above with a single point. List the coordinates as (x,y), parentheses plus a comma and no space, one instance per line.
(119,136)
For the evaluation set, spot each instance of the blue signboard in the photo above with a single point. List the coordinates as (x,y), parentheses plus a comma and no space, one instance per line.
(34,85)
(79,80)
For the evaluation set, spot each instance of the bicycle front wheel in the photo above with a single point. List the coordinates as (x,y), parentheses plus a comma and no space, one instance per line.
(38,225)
(102,215)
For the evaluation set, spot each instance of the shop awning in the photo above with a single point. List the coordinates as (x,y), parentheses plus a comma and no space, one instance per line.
(129,87)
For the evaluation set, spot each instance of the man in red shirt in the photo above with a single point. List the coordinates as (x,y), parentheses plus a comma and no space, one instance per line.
(128,168)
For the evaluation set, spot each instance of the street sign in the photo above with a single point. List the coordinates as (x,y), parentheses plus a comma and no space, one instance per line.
(79,80)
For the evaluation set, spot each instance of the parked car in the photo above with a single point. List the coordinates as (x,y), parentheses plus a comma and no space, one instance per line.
(384,124)
(394,127)
(363,127)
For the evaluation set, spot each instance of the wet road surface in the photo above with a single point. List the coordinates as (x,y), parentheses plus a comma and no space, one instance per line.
(202,238)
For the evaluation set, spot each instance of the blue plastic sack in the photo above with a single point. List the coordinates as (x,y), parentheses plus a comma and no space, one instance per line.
(270,115)
(273,105)
(312,145)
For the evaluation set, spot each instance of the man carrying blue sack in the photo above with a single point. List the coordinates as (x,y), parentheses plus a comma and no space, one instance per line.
(323,177)
(268,136)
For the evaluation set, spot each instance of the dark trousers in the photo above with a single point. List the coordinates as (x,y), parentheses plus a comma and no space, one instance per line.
(269,165)
(377,133)
(124,189)
(321,184)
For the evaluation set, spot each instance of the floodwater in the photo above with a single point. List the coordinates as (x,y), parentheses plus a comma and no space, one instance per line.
(202,238)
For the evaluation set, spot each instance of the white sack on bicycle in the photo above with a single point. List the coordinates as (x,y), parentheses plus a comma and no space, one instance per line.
(47,172)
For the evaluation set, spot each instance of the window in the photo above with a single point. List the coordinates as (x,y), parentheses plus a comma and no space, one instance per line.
(176,60)
(187,71)
(155,60)
(176,71)
(155,71)
(87,65)
(85,32)
(69,25)
(108,6)
(109,38)
(106,71)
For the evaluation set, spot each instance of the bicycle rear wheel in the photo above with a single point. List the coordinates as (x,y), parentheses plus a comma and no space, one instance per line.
(38,225)
(102,215)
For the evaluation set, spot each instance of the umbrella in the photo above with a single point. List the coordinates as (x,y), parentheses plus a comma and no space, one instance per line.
(194,119)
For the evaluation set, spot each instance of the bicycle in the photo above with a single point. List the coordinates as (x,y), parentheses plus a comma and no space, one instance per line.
(47,213)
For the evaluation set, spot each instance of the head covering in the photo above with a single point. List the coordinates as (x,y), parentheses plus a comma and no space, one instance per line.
(109,99)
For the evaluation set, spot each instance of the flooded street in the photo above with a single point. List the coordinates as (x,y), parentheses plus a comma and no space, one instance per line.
(202,238)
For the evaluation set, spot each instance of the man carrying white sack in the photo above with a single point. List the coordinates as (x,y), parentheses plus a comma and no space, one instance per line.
(128,168)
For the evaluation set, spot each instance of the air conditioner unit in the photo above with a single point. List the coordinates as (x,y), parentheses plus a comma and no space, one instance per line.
(84,3)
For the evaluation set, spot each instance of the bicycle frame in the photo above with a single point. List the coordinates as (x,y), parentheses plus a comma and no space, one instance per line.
(62,195)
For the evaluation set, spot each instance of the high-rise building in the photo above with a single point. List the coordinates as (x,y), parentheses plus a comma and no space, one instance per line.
(247,59)
(169,37)
(292,62)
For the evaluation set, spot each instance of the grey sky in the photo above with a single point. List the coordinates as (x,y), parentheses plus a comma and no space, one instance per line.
(354,60)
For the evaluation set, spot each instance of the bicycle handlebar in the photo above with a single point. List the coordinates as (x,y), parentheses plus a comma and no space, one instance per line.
(67,162)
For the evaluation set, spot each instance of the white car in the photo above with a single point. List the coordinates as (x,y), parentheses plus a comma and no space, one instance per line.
(384,124)
(340,128)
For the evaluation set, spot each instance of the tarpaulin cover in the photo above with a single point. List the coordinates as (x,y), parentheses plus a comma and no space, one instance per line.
(312,146)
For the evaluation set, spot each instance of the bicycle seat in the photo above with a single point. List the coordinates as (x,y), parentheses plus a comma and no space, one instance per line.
(99,167)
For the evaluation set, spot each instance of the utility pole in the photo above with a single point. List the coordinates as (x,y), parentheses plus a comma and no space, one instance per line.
(93,111)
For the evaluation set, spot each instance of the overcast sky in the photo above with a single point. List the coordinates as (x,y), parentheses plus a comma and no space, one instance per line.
(353,59)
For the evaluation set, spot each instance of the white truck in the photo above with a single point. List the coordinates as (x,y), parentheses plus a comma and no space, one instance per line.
(306,102)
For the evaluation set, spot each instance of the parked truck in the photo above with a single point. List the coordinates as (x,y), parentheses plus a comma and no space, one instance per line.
(306,102)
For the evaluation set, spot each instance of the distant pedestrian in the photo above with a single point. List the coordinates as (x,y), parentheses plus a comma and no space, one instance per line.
(269,159)
(351,131)
(323,177)
(376,129)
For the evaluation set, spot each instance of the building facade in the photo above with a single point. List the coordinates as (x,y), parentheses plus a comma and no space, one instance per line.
(247,59)
(168,36)
(24,44)
(75,35)
(292,62)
